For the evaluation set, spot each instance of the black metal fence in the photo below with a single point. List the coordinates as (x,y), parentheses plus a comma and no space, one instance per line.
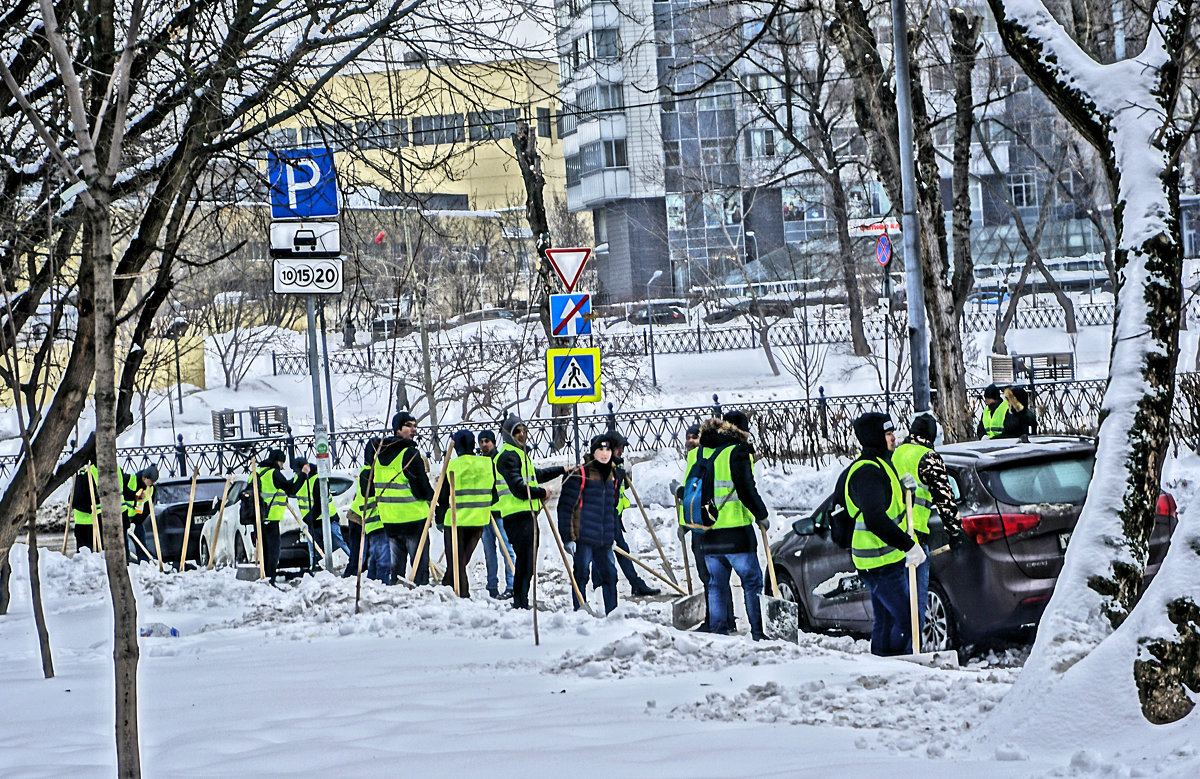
(389,359)
(801,430)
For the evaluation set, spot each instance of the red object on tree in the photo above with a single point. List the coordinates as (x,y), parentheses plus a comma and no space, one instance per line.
(380,237)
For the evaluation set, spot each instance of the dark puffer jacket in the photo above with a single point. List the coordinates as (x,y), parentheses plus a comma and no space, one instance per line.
(588,516)
(715,434)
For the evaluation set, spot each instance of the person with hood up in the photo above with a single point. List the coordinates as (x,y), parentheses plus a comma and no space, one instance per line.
(273,491)
(491,559)
(587,518)
(518,485)
(401,489)
(365,521)
(137,493)
(1020,420)
(881,546)
(474,491)
(638,587)
(730,544)
(917,458)
(991,421)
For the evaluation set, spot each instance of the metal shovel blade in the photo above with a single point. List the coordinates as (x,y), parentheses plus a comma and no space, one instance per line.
(247,573)
(781,618)
(688,612)
(947,659)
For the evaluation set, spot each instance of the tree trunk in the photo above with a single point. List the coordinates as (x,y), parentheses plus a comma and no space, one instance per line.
(964,47)
(858,335)
(125,646)
(1056,289)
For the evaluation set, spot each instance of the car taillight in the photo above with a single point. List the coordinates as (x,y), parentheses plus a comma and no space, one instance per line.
(985,528)
(1167,506)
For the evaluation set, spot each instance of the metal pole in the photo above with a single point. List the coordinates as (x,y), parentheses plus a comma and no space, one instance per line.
(178,374)
(328,385)
(918,348)
(575,423)
(650,322)
(319,431)
(887,356)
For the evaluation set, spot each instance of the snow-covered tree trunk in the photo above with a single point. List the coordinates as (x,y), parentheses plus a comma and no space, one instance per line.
(1125,110)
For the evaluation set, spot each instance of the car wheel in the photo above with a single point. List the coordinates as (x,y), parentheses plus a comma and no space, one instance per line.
(788,591)
(203,552)
(239,550)
(939,633)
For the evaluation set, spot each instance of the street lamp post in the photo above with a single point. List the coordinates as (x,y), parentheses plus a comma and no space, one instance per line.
(750,234)
(650,322)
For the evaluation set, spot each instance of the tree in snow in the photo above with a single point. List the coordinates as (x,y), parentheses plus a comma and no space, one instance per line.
(1093,644)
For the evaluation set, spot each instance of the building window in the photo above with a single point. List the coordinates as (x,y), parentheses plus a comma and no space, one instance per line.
(760,143)
(602,97)
(573,170)
(606,44)
(282,138)
(492,125)
(1023,190)
(804,214)
(601,155)
(381,134)
(545,124)
(568,120)
(439,128)
(722,209)
(764,86)
(334,137)
(676,213)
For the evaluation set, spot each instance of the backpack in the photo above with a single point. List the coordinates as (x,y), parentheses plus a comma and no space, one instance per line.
(699,507)
(832,514)
(246,505)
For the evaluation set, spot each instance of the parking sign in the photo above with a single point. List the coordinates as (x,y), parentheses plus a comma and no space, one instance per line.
(303,184)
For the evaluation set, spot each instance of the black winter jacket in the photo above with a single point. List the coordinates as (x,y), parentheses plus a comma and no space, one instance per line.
(588,516)
(871,490)
(411,462)
(508,466)
(715,434)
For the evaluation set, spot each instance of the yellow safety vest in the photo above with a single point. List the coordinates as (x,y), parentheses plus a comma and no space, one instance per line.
(730,511)
(868,550)
(365,508)
(274,498)
(304,497)
(689,460)
(88,517)
(510,504)
(993,419)
(474,480)
(905,459)
(394,499)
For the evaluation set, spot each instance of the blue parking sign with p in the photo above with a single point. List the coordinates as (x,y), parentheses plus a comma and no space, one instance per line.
(303,184)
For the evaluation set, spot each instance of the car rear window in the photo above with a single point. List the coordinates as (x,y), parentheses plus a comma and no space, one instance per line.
(1062,480)
(178,492)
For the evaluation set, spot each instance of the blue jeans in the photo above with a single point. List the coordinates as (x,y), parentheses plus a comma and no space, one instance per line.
(377,557)
(891,634)
(490,558)
(597,560)
(922,587)
(720,596)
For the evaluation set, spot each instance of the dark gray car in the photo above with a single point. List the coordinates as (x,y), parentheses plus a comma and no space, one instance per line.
(1019,501)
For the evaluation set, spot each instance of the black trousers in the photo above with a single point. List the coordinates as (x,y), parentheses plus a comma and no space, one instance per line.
(468,539)
(624,563)
(522,534)
(83,537)
(270,548)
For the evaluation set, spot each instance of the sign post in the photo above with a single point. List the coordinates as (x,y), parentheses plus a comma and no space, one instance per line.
(883,255)
(306,244)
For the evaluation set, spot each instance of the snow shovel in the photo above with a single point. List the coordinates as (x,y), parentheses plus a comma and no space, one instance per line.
(780,618)
(689,610)
(932,659)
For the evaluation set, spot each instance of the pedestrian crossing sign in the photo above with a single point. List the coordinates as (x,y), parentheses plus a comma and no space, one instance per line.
(573,375)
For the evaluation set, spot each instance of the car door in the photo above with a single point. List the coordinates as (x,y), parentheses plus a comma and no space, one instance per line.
(847,607)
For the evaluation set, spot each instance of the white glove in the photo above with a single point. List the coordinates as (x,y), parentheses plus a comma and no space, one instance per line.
(914,556)
(908,482)
(764,523)
(571,548)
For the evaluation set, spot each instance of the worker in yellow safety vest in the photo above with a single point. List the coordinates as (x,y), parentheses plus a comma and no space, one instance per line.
(401,489)
(995,410)
(366,526)
(273,491)
(474,495)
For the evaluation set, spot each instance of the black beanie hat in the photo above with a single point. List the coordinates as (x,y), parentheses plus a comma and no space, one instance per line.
(150,473)
(464,442)
(738,419)
(991,392)
(870,428)
(601,441)
(693,430)
(370,450)
(276,456)
(616,439)
(400,418)
(298,463)
(923,426)
(487,435)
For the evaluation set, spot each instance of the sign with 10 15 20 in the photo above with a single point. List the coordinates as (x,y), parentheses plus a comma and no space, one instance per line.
(308,277)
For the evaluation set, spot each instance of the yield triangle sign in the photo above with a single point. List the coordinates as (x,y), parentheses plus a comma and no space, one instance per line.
(568,264)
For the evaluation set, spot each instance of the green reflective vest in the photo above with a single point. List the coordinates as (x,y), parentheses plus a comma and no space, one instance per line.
(905,460)
(993,419)
(131,508)
(272,497)
(364,507)
(394,499)
(305,500)
(689,460)
(510,504)
(867,550)
(730,511)
(622,500)
(88,517)
(473,478)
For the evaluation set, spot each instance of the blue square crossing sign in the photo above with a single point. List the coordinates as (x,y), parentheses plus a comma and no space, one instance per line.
(573,375)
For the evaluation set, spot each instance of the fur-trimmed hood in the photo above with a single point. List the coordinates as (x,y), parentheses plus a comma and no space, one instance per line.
(716,432)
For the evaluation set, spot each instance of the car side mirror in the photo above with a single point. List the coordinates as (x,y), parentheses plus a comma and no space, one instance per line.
(805,527)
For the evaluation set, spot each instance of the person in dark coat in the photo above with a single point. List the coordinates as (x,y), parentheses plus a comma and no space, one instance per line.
(404,537)
(1020,420)
(275,461)
(995,410)
(587,521)
(520,502)
(493,560)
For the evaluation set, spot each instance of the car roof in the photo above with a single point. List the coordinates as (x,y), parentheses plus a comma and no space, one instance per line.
(995,451)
